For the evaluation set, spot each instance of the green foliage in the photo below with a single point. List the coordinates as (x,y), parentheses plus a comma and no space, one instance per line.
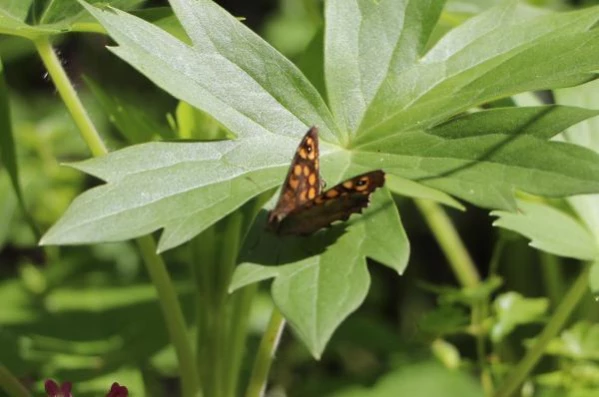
(424,90)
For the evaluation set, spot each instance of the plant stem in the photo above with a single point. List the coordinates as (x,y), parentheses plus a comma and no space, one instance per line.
(265,355)
(173,315)
(553,327)
(464,269)
(450,242)
(11,385)
(69,97)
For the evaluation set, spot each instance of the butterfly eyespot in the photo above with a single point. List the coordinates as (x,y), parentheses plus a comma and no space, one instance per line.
(362,182)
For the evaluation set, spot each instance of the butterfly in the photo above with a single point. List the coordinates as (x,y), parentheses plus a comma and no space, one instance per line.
(302,208)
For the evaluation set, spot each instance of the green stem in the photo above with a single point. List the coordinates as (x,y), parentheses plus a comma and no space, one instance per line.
(266,354)
(464,269)
(553,277)
(173,315)
(450,242)
(229,250)
(11,385)
(69,97)
(553,327)
(171,308)
(242,304)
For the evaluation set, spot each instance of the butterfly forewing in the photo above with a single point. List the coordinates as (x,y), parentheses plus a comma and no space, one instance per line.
(302,208)
(302,183)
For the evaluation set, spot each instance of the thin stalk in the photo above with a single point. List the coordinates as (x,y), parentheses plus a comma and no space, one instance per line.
(266,354)
(173,315)
(450,242)
(70,98)
(227,323)
(465,271)
(11,384)
(203,254)
(242,304)
(553,327)
(171,308)
(553,277)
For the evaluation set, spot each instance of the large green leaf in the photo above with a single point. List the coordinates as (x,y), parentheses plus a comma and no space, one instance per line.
(263,99)
(267,103)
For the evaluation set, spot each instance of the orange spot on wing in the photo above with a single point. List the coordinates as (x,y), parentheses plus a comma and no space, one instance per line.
(302,195)
(332,193)
(306,170)
(312,179)
(294,183)
(311,193)
(297,169)
(303,154)
(348,184)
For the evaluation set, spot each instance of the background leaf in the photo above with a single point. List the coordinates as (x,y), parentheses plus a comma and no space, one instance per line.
(550,230)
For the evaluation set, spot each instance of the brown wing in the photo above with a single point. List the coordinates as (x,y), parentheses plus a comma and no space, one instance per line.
(337,203)
(302,183)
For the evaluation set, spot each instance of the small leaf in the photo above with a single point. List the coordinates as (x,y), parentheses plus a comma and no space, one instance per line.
(550,230)
(512,309)
(580,342)
(444,320)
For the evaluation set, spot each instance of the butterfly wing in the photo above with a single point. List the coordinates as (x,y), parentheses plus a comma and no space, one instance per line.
(302,183)
(335,204)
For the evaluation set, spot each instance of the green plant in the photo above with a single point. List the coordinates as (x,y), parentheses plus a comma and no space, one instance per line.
(400,96)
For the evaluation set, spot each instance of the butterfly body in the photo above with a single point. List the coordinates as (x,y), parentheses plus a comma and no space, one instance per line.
(302,208)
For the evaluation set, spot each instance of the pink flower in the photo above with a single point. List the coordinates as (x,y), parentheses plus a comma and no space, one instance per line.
(53,390)
(117,391)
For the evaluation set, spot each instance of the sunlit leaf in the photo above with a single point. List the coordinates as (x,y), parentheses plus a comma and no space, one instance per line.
(512,309)
(550,230)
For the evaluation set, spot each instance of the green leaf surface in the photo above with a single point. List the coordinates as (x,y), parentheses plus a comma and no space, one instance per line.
(230,72)
(321,279)
(357,60)
(550,230)
(512,309)
(499,52)
(406,187)
(483,157)
(583,134)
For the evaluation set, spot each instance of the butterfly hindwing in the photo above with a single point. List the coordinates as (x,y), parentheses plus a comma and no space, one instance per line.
(302,208)
(335,204)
